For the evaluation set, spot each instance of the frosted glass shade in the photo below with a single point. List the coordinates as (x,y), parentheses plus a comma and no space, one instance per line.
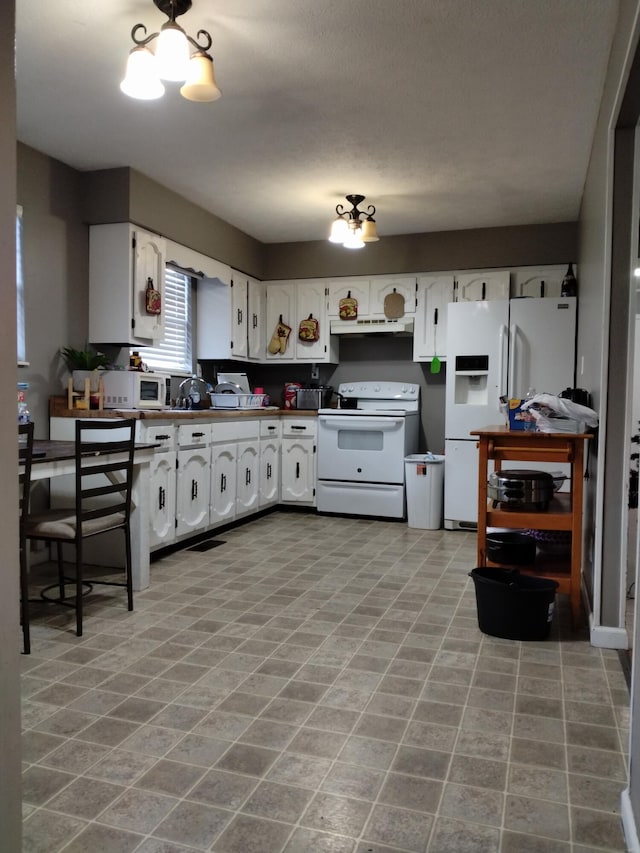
(172,53)
(339,230)
(141,78)
(201,82)
(369,232)
(354,239)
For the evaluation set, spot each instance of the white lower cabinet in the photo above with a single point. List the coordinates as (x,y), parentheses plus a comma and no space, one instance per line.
(270,441)
(162,480)
(298,468)
(223,483)
(248,478)
(193,473)
(162,509)
(193,487)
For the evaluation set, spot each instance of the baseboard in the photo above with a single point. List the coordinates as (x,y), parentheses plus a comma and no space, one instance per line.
(604,637)
(628,823)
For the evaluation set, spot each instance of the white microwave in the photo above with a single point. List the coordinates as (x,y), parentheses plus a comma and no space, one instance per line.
(134,389)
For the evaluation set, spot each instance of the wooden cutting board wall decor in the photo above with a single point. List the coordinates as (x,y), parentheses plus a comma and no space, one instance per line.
(394,305)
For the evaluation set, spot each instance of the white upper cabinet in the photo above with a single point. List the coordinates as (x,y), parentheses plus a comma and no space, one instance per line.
(435,292)
(311,303)
(255,319)
(280,314)
(355,288)
(195,262)
(538,281)
(123,262)
(380,288)
(486,284)
(239,311)
(229,318)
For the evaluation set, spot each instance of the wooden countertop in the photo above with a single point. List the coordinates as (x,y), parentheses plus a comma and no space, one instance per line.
(525,435)
(58,408)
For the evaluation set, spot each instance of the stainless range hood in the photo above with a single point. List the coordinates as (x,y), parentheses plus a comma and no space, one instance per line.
(379,325)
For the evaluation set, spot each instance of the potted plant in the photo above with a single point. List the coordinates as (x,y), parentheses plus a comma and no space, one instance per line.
(82,364)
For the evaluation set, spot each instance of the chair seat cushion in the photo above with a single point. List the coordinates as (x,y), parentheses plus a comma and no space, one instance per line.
(61,524)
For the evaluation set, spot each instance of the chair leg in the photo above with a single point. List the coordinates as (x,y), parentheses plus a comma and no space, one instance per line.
(60,570)
(24,600)
(79,588)
(127,567)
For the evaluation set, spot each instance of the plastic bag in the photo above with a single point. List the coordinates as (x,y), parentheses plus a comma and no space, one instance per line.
(549,412)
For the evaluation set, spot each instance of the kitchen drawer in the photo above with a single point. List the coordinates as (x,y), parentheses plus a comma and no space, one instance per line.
(194,434)
(235,430)
(300,427)
(270,428)
(163,434)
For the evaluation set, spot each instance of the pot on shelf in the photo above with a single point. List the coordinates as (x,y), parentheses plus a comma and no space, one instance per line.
(521,488)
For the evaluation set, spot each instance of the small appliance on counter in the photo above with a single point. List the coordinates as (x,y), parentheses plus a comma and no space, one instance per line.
(134,389)
(318,397)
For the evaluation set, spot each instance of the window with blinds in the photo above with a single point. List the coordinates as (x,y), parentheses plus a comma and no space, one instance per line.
(174,354)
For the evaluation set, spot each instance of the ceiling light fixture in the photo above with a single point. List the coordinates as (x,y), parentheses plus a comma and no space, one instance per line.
(172,59)
(349,229)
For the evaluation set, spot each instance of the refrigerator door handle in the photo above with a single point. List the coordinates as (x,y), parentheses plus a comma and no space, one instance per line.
(503,343)
(513,346)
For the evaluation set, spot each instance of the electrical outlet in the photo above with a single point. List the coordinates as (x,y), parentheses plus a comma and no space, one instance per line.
(315,372)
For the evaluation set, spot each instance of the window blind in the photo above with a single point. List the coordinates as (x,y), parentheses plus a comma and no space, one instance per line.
(174,353)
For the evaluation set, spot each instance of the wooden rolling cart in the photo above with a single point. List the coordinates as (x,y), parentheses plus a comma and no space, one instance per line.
(499,444)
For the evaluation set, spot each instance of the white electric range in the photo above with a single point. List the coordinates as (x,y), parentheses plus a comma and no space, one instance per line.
(362,445)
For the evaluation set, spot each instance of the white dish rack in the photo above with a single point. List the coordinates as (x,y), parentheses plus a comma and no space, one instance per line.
(237,401)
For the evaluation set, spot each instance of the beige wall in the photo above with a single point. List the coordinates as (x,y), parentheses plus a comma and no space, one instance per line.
(10,755)
(55,265)
(440,251)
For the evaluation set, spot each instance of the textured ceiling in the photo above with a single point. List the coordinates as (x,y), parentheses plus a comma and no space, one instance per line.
(446,114)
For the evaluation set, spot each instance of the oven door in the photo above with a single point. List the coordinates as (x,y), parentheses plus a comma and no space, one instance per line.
(361,448)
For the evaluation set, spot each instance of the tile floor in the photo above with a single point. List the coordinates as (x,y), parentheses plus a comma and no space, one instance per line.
(318,684)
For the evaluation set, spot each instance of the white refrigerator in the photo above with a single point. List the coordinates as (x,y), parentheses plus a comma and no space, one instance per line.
(497,348)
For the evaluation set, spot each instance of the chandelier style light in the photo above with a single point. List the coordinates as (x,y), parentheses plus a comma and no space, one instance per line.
(349,229)
(172,59)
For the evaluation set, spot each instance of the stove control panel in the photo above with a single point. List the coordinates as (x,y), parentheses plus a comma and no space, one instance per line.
(372,390)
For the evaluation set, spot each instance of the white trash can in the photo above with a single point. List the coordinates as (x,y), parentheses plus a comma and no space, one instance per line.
(424,477)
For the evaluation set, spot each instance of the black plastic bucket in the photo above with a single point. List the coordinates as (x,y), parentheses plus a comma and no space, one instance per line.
(512,605)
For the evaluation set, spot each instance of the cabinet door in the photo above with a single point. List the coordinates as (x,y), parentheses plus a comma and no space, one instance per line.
(248,478)
(298,470)
(239,308)
(430,328)
(541,281)
(311,301)
(341,288)
(382,287)
(121,258)
(255,319)
(214,314)
(162,507)
(193,487)
(280,302)
(269,472)
(148,264)
(478,286)
(223,482)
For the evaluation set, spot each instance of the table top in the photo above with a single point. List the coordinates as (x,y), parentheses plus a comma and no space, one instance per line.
(45,450)
(525,435)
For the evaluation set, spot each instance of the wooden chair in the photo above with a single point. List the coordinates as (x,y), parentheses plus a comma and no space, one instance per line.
(25,454)
(102,504)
